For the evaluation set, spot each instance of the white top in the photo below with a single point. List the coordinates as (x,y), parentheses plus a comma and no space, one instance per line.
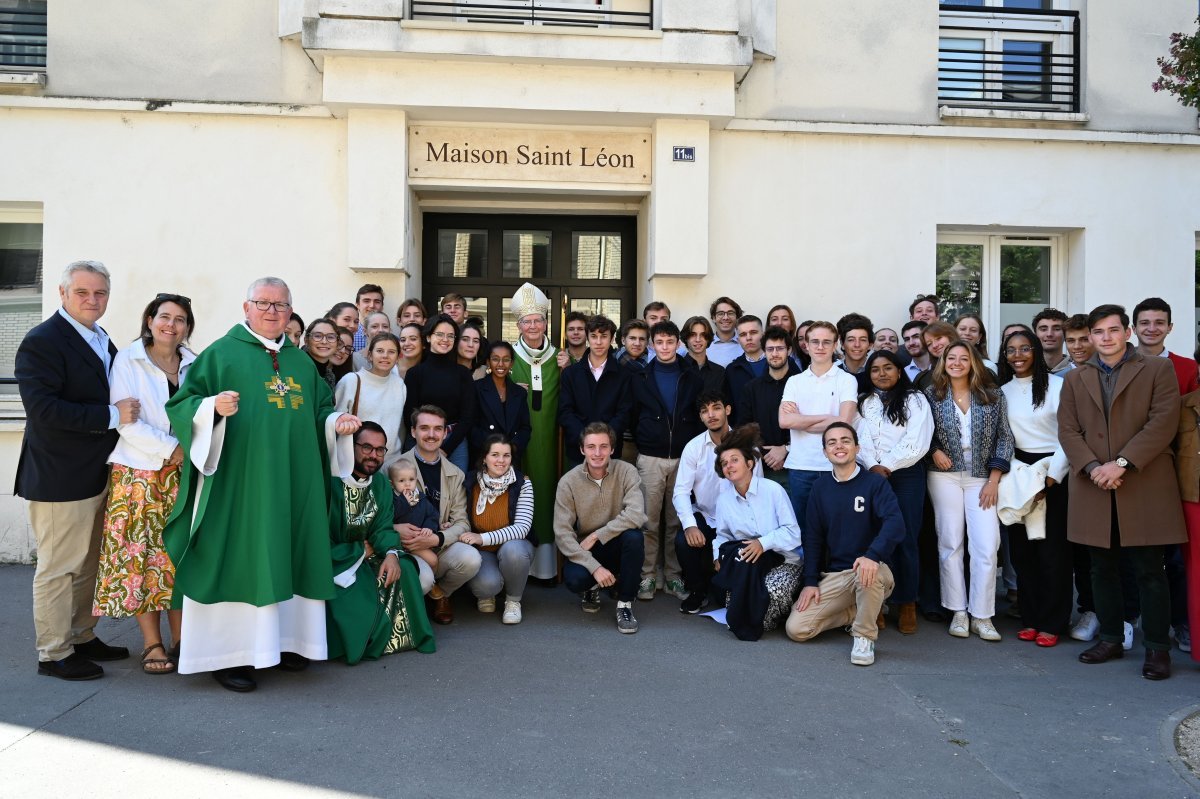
(148,442)
(723,352)
(816,395)
(697,474)
(964,435)
(381,401)
(883,443)
(1034,429)
(764,513)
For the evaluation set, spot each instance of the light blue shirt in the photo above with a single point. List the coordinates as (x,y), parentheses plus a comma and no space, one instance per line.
(764,513)
(97,339)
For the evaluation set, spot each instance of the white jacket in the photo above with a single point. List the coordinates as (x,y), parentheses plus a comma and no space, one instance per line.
(146,443)
(1015,497)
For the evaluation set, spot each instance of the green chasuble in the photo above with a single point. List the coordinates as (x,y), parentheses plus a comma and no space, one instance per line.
(256,530)
(364,620)
(540,460)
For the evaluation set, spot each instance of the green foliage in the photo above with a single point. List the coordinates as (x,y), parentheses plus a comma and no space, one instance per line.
(1181,70)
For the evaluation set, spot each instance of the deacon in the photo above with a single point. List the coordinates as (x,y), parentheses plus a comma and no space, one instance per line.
(536,370)
(249,535)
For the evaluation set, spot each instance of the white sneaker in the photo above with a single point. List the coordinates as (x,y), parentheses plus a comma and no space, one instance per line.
(985,629)
(1127,644)
(1086,628)
(646,589)
(512,612)
(863,651)
(487,605)
(958,625)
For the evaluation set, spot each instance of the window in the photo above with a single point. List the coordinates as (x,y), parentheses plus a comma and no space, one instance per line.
(1004,279)
(20,285)
(571,13)
(22,35)
(1006,54)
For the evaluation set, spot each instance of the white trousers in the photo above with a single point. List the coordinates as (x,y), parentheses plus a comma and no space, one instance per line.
(955,498)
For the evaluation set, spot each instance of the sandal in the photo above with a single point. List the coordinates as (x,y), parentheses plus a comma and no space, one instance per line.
(149,663)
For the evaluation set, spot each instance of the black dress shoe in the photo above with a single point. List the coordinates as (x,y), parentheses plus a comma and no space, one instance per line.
(236,679)
(1102,652)
(1157,665)
(72,667)
(290,661)
(936,616)
(96,649)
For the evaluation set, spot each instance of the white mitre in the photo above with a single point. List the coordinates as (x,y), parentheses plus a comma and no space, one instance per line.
(529,299)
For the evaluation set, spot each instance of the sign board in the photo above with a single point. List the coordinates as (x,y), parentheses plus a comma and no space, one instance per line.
(518,154)
(683,153)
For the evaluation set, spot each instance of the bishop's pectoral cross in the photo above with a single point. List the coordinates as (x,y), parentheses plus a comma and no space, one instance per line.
(279,391)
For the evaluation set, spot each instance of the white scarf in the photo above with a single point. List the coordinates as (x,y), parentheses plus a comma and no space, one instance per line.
(492,487)
(274,346)
(535,359)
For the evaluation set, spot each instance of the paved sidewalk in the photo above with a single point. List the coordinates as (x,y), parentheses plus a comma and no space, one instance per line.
(563,706)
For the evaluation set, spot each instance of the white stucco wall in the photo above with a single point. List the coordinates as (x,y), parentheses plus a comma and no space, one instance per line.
(175,49)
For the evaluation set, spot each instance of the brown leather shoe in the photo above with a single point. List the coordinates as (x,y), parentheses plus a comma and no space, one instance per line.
(908,618)
(1102,652)
(1157,665)
(444,614)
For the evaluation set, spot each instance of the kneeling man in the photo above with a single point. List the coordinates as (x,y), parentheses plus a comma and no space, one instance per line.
(853,524)
(598,516)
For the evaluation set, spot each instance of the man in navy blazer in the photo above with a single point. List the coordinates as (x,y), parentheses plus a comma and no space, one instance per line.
(62,369)
(593,389)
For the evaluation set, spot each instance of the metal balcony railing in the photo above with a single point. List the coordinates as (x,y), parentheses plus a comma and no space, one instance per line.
(23,37)
(533,12)
(1008,58)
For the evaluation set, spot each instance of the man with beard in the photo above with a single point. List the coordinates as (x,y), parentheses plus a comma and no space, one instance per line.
(377,607)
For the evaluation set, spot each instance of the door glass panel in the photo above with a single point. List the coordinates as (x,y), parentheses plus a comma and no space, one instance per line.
(1024,282)
(592,307)
(596,256)
(959,278)
(462,253)
(526,254)
(960,69)
(1027,71)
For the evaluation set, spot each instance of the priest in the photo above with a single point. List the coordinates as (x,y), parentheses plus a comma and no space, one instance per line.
(249,535)
(377,608)
(536,369)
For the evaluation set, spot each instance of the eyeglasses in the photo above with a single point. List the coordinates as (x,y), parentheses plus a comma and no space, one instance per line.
(442,335)
(369,450)
(774,350)
(323,336)
(724,314)
(1024,350)
(344,347)
(819,344)
(263,305)
(177,298)
(530,321)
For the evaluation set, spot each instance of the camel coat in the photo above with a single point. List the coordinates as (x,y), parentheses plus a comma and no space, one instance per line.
(1187,448)
(1142,423)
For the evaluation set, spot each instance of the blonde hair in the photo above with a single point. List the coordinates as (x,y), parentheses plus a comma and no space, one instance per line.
(399,468)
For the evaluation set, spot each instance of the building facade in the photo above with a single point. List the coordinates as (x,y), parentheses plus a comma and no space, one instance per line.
(834,155)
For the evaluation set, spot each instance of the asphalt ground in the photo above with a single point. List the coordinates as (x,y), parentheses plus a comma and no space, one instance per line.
(562,705)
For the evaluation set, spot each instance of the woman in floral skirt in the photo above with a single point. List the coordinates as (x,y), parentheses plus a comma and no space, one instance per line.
(135,576)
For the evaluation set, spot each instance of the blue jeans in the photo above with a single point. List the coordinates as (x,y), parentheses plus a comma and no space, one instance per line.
(460,458)
(622,556)
(800,483)
(909,487)
(506,569)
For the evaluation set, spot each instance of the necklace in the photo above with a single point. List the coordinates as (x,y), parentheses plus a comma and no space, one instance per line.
(963,400)
(165,371)
(277,386)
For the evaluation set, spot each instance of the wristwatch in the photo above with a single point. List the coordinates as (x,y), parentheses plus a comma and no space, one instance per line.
(1124,464)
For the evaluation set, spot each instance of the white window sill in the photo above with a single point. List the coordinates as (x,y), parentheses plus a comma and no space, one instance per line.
(1015,117)
(21,81)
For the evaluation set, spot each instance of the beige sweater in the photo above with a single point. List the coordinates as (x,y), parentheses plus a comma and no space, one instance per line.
(581,508)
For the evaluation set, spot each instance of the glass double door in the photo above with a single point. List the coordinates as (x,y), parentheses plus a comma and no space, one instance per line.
(582,263)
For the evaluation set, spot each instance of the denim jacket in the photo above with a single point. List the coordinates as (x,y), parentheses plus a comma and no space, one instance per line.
(991,437)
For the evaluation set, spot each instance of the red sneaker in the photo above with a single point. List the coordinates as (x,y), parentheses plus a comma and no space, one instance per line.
(1046,639)
(1028,634)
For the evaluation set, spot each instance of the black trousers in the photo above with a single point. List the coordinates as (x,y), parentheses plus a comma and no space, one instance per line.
(1150,576)
(696,563)
(622,556)
(1044,567)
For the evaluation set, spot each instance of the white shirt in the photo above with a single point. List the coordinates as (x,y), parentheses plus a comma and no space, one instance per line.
(884,443)
(764,513)
(697,474)
(912,370)
(97,339)
(148,442)
(723,352)
(964,434)
(816,395)
(1034,429)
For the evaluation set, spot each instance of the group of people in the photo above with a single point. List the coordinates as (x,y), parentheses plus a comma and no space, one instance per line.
(304,492)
